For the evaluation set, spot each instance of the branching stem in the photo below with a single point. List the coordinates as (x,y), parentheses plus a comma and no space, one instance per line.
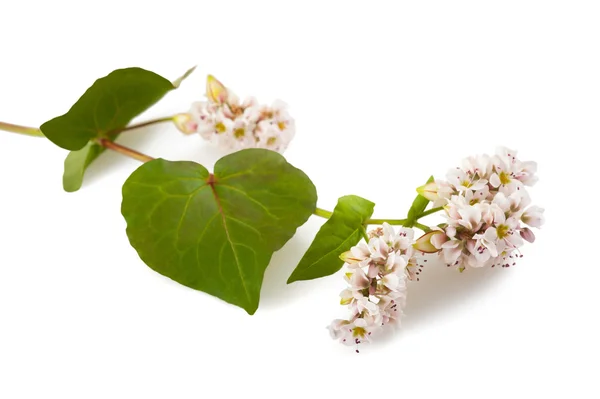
(121,149)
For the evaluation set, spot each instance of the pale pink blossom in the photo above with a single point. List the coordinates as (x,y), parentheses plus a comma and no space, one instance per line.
(378,272)
(235,125)
(533,216)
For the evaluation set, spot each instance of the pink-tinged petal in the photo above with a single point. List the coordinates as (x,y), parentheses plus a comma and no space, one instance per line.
(424,243)
(372,289)
(470,245)
(391,281)
(502,201)
(373,271)
(499,215)
(450,244)
(451,231)
(389,263)
(362,323)
(512,223)
(359,280)
(451,255)
(401,262)
(495,180)
(527,234)
(336,327)
(474,261)
(471,217)
(379,249)
(492,248)
(364,304)
(408,233)
(478,185)
(481,257)
(361,250)
(437,240)
(388,232)
(514,240)
(534,216)
(491,234)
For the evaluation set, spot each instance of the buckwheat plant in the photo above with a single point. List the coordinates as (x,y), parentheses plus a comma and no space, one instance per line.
(217,231)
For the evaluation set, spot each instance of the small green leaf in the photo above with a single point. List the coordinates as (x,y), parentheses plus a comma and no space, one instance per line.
(76,163)
(109,104)
(216,233)
(341,231)
(177,82)
(417,208)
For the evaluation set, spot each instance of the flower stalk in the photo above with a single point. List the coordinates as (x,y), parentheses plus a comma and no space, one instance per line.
(121,149)
(143,124)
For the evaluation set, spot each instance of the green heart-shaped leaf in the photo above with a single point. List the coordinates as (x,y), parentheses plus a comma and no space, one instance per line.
(216,233)
(341,231)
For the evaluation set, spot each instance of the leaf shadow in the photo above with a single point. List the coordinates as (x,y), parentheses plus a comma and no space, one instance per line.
(439,290)
(110,161)
(275,290)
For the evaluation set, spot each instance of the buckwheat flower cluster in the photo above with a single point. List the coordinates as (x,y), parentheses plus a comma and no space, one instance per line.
(234,125)
(488,211)
(377,276)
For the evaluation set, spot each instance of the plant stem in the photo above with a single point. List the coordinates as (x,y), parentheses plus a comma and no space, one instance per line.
(422,227)
(363,231)
(394,222)
(143,124)
(124,150)
(429,212)
(323,213)
(397,222)
(30,131)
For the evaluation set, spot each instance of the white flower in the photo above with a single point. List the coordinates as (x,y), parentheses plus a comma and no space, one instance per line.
(390,308)
(463,181)
(460,213)
(235,125)
(377,277)
(533,216)
(485,202)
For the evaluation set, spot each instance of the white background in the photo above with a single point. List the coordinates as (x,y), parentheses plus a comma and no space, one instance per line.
(384,94)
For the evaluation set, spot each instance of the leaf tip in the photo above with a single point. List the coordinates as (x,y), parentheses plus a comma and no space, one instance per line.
(177,82)
(292,279)
(251,310)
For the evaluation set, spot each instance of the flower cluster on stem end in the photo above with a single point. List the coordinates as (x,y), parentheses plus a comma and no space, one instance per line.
(488,211)
(377,274)
(234,125)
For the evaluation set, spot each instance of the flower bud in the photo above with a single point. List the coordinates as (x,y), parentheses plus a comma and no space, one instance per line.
(349,257)
(424,243)
(534,216)
(215,90)
(185,123)
(527,234)
(429,191)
